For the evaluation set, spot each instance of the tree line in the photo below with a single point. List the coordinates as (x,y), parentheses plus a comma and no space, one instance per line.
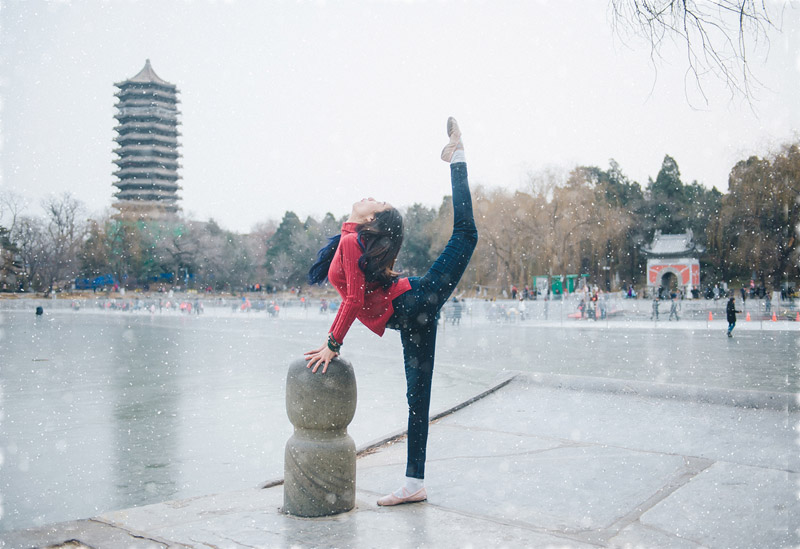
(585,221)
(595,221)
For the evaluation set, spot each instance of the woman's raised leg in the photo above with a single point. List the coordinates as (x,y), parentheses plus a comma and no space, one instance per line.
(445,273)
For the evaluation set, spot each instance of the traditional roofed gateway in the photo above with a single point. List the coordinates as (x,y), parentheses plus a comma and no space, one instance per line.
(672,262)
(148,147)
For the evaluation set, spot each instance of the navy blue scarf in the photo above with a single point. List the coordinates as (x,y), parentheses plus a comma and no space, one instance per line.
(318,273)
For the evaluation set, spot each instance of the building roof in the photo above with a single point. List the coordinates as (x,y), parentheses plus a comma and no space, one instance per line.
(147,76)
(672,245)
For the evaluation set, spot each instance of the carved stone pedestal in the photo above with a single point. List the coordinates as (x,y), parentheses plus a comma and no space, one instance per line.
(320,457)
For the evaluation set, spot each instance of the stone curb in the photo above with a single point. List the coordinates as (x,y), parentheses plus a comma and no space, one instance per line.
(770,400)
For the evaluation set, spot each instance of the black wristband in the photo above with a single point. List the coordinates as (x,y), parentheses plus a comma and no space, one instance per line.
(333,345)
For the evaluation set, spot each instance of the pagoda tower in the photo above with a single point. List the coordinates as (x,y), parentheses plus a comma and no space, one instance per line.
(147,147)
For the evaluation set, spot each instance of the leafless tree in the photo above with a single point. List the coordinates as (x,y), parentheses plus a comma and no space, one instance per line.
(29,237)
(717,35)
(65,230)
(12,205)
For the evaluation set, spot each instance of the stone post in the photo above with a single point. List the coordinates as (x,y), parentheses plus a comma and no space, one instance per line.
(320,457)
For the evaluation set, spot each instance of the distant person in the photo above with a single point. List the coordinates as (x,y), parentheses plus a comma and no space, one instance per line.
(731,311)
(768,302)
(654,314)
(673,308)
(360,266)
(457,308)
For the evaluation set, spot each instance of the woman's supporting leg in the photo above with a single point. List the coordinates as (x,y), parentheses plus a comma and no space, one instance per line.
(416,315)
(419,347)
(418,333)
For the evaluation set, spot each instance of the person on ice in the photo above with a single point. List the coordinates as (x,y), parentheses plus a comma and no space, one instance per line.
(654,314)
(731,311)
(673,308)
(359,264)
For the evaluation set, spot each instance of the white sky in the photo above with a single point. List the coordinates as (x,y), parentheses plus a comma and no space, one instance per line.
(309,106)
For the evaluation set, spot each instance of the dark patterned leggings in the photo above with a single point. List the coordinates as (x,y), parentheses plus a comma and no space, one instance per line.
(416,314)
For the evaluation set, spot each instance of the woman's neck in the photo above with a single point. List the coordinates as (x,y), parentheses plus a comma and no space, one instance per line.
(356,218)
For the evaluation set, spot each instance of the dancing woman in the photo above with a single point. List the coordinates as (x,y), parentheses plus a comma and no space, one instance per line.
(359,265)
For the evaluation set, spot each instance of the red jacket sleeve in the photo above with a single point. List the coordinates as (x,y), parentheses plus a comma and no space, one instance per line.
(353,300)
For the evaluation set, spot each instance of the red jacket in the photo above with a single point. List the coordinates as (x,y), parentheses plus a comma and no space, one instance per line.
(369,303)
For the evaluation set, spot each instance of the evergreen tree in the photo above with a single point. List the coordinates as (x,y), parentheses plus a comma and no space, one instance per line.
(666,205)
(416,255)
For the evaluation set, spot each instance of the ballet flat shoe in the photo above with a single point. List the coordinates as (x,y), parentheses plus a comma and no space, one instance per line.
(455,144)
(391,499)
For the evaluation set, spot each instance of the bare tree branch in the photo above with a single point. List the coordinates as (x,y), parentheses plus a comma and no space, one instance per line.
(717,35)
(12,205)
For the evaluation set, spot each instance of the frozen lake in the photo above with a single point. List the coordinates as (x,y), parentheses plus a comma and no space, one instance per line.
(105,410)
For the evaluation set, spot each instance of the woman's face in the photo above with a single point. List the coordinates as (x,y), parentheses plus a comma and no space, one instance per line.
(368,207)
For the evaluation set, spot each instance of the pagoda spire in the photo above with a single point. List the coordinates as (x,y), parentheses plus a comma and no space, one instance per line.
(148,75)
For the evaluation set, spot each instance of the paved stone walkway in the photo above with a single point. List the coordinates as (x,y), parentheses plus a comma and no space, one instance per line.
(541,462)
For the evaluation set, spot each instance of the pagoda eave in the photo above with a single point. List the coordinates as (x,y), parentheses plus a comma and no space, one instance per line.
(156,155)
(148,117)
(147,194)
(129,84)
(136,176)
(142,138)
(147,162)
(170,129)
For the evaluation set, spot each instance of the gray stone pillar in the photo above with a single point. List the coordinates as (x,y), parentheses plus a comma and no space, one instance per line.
(320,457)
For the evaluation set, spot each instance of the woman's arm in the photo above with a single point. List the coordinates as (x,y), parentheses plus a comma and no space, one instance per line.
(356,287)
(351,304)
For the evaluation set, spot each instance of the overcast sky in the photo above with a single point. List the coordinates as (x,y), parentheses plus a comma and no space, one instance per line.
(309,106)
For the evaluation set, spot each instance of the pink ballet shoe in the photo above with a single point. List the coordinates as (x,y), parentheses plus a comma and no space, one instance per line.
(455,140)
(391,499)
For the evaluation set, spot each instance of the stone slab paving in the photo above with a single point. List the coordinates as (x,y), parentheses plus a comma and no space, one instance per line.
(367,526)
(617,470)
(750,507)
(526,466)
(79,534)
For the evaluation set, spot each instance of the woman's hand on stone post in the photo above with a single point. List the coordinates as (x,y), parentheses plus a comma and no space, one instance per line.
(323,356)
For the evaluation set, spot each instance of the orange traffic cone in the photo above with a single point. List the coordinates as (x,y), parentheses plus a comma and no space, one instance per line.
(798,316)
(748,317)
(774,318)
(710,315)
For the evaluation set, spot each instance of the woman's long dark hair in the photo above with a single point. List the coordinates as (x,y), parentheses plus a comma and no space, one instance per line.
(380,240)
